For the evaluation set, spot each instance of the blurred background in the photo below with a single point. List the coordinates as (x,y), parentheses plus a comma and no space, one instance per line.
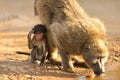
(18,15)
(108,11)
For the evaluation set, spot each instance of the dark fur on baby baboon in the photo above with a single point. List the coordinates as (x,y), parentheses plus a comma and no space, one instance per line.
(72,32)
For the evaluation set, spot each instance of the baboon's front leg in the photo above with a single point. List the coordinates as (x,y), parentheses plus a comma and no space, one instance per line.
(66,62)
(57,32)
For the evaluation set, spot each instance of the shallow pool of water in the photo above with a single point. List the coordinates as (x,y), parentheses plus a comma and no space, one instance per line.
(113,74)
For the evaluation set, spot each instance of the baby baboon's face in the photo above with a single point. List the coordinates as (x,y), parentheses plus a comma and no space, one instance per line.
(39,35)
(95,55)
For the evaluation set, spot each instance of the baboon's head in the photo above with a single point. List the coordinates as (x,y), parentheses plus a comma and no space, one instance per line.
(95,54)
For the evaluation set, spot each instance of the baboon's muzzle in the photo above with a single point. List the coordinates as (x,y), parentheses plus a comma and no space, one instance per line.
(98,68)
(98,72)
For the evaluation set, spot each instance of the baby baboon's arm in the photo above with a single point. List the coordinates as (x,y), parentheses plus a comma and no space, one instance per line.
(30,45)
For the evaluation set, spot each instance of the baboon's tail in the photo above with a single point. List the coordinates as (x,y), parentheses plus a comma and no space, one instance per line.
(23,53)
(35,10)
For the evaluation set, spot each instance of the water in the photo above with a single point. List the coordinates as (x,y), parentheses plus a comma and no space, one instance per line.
(90,78)
(113,74)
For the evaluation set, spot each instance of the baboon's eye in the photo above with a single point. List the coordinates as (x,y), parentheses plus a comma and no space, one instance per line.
(100,57)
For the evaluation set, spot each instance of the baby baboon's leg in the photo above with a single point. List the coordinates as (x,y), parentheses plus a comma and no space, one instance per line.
(43,60)
(33,54)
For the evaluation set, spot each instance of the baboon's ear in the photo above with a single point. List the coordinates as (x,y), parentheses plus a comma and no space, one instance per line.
(86,48)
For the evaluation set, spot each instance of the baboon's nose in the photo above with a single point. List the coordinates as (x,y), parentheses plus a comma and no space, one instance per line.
(98,69)
(99,72)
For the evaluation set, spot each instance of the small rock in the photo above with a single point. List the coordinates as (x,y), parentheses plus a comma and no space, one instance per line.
(116,58)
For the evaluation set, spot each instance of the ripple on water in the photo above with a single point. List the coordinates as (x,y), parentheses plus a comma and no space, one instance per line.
(113,74)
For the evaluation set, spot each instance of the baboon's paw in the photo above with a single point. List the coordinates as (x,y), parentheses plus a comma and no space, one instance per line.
(69,70)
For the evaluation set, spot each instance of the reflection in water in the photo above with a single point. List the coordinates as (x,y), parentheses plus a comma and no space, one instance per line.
(109,75)
(113,74)
(91,78)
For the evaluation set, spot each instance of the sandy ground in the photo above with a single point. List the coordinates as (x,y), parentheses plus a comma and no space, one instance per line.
(15,23)
(17,67)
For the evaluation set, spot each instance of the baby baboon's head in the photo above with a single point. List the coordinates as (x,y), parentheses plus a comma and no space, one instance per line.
(95,54)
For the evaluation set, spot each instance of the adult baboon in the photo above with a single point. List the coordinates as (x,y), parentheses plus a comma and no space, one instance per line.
(72,32)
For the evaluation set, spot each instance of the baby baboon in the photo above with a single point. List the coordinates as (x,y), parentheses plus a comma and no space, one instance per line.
(38,43)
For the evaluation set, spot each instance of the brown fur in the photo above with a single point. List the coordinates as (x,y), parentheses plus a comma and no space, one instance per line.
(73,32)
(39,48)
